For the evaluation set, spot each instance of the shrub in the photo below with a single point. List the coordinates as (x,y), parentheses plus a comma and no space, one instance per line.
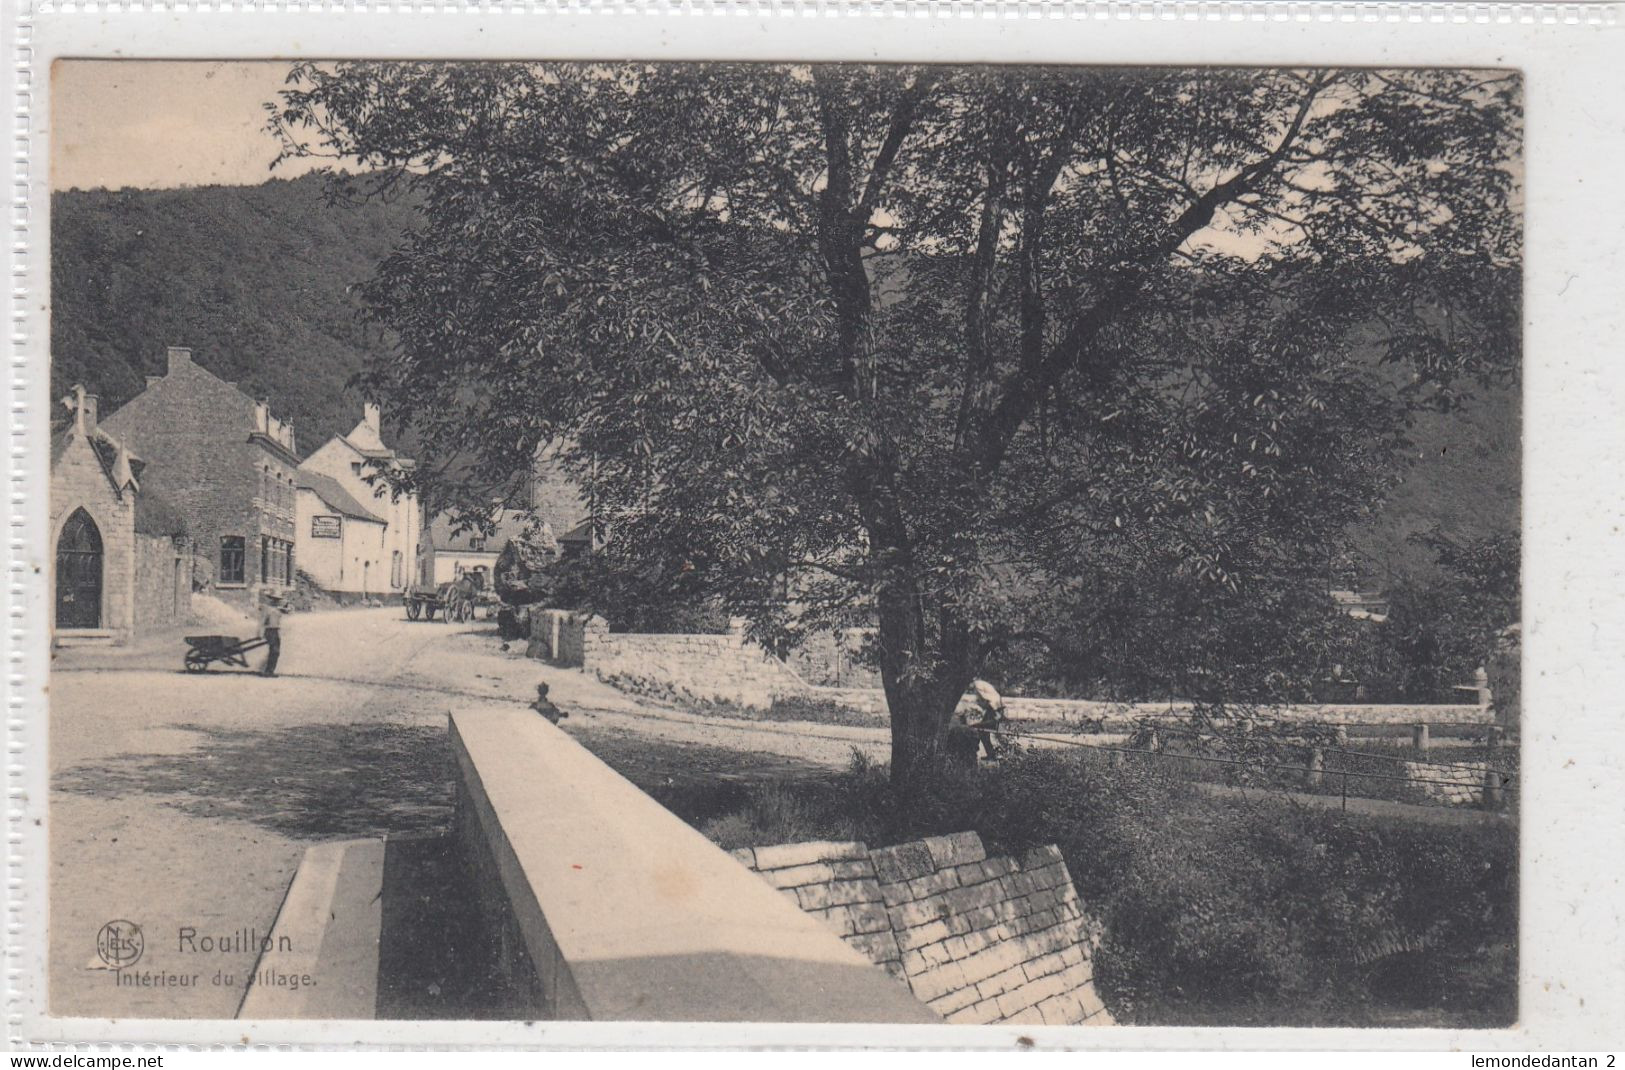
(1215,910)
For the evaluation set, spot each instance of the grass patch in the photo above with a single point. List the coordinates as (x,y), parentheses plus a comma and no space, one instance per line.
(1216,911)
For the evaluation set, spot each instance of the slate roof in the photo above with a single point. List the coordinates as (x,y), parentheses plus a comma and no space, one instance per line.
(337,498)
(510,523)
(155,516)
(106,448)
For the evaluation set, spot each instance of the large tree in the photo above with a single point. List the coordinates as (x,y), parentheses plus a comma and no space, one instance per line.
(939,343)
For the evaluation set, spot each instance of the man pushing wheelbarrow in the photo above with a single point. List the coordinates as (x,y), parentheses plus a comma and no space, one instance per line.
(273,608)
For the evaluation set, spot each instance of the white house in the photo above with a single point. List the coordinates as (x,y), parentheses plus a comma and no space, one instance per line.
(448,553)
(342,545)
(353,462)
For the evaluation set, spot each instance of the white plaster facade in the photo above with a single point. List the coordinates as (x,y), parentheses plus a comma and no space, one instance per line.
(351,461)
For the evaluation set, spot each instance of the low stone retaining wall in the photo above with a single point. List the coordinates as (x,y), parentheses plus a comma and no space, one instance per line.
(731,668)
(1457,783)
(611,908)
(1021,708)
(980,940)
(693,667)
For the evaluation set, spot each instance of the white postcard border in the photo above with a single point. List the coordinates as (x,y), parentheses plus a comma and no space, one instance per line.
(1574,742)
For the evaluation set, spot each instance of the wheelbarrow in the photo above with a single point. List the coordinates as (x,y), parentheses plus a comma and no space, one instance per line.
(204,650)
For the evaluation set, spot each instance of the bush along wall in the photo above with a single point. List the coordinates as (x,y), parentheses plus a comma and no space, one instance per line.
(1218,911)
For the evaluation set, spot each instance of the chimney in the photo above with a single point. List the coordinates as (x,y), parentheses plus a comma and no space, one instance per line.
(179,357)
(369,416)
(262,415)
(84,411)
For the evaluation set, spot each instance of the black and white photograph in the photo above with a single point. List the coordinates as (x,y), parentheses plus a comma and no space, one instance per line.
(625,541)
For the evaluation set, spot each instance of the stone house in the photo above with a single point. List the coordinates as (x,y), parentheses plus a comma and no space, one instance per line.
(342,545)
(122,555)
(355,463)
(228,468)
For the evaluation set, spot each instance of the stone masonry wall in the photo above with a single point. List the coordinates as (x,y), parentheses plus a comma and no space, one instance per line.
(1459,783)
(163,589)
(194,429)
(556,636)
(980,940)
(1023,708)
(699,667)
(78,481)
(704,667)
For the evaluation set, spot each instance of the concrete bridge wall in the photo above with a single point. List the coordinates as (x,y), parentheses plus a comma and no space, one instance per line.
(611,908)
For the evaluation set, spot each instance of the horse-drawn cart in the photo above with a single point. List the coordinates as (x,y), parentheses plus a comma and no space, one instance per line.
(454,601)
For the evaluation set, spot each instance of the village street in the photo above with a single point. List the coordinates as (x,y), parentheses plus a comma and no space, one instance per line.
(185,801)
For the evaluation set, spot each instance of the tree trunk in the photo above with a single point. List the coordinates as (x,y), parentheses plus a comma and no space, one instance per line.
(923,681)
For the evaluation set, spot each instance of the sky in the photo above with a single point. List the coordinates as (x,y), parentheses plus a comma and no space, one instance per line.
(158,124)
(161,124)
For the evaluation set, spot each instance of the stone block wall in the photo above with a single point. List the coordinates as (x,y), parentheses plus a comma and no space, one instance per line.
(197,433)
(78,481)
(1024,708)
(1458,783)
(556,635)
(700,667)
(978,939)
(163,580)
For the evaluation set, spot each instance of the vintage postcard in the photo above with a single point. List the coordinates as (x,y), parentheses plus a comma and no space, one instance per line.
(1027,540)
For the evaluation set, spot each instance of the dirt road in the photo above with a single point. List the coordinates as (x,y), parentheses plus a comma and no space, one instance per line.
(184,802)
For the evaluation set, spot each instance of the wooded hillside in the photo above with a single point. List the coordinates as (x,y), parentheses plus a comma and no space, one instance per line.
(255,279)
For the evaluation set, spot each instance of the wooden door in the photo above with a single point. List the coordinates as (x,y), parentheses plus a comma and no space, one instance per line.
(79,573)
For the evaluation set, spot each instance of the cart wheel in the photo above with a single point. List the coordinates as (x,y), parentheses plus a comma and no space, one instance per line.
(196,662)
(464,611)
(413,609)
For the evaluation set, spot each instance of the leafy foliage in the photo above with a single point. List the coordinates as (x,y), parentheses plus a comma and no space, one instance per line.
(930,340)
(1442,628)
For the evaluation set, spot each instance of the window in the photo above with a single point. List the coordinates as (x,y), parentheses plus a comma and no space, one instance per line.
(276,561)
(231,559)
(476,543)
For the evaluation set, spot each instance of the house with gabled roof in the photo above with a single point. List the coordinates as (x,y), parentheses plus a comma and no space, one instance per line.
(342,544)
(122,554)
(360,465)
(226,465)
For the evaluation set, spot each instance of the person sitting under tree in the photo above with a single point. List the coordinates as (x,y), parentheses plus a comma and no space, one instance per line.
(986,715)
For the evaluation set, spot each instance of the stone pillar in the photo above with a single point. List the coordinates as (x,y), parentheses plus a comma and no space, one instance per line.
(1316,772)
(594,630)
(1419,737)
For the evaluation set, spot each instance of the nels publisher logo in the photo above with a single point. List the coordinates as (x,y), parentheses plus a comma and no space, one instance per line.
(120,944)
